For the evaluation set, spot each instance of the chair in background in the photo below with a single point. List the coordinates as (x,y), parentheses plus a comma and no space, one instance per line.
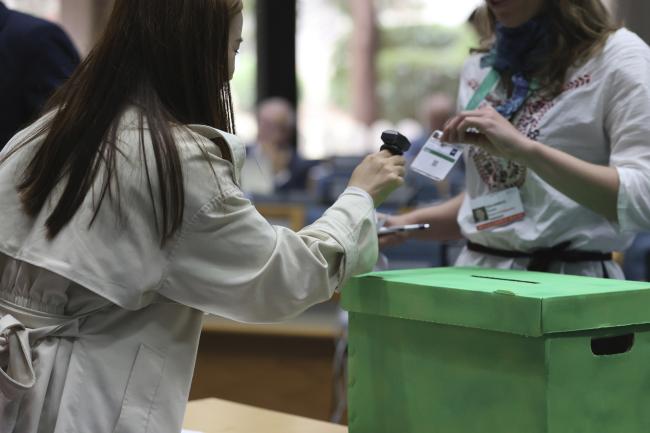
(636,263)
(330,178)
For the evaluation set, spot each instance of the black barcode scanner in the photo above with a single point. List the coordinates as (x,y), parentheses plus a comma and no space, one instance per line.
(395,142)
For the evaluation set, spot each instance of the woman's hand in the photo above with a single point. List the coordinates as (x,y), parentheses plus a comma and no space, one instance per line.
(379,174)
(491,131)
(593,186)
(393,238)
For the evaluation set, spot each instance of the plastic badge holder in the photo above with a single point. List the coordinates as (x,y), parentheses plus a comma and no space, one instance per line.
(435,160)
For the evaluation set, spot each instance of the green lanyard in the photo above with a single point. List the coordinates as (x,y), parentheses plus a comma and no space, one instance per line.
(484,89)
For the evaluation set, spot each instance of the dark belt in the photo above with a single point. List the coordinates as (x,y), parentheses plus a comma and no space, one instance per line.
(541,259)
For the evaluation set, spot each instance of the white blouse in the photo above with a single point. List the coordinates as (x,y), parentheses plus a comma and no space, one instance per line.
(602,117)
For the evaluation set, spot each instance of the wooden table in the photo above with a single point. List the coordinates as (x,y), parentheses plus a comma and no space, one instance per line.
(219,416)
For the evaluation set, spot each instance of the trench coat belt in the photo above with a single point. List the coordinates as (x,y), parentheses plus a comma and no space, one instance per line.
(20,330)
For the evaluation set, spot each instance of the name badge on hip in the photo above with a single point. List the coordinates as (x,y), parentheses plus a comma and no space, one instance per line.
(434,160)
(497,209)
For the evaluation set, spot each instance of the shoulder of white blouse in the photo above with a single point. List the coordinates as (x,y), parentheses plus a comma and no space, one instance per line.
(472,65)
(625,44)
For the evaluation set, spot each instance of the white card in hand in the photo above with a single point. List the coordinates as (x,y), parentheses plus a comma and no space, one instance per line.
(435,161)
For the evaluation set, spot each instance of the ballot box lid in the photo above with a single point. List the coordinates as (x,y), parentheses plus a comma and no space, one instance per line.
(519,302)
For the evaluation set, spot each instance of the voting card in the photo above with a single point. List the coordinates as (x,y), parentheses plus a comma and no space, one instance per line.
(436,159)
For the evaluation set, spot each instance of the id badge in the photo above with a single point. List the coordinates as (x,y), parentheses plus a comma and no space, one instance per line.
(435,161)
(497,209)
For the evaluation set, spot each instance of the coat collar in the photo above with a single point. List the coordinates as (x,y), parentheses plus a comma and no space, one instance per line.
(237,149)
(4,14)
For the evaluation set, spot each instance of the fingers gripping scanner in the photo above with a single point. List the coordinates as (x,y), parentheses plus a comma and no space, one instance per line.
(395,142)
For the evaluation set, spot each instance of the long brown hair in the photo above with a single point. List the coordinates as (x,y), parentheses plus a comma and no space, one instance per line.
(579,31)
(167,57)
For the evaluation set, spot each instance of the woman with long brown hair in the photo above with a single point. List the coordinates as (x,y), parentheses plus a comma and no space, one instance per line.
(122,222)
(555,122)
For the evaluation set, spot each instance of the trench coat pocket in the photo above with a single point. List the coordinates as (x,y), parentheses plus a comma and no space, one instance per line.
(141,391)
(16,370)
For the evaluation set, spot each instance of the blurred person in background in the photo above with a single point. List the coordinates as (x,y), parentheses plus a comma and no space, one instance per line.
(556,122)
(122,222)
(434,112)
(273,164)
(36,57)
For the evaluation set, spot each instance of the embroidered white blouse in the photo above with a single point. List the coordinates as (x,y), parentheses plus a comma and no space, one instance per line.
(603,117)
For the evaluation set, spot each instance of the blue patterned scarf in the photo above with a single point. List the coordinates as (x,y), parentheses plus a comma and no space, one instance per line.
(518,51)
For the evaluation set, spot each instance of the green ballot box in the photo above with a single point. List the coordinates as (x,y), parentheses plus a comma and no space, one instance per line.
(469,350)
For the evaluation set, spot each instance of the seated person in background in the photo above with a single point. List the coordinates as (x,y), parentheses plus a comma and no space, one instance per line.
(36,57)
(273,164)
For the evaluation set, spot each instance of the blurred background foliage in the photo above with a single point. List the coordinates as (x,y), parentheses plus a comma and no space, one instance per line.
(244,82)
(412,62)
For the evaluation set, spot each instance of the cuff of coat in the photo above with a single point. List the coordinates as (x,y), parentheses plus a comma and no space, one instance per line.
(358,191)
(354,214)
(633,204)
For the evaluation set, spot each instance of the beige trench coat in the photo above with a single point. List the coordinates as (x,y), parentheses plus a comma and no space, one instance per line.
(99,328)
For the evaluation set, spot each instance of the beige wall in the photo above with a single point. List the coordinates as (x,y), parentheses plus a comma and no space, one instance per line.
(48,9)
(84,20)
(76,18)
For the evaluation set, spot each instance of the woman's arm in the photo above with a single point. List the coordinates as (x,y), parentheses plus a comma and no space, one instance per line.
(233,263)
(230,261)
(442,218)
(621,191)
(593,186)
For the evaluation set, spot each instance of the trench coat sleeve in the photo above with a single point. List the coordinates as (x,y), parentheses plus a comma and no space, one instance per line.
(231,262)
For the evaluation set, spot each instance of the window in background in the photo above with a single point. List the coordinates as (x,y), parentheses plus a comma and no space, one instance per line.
(244,84)
(83,20)
(48,9)
(416,48)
